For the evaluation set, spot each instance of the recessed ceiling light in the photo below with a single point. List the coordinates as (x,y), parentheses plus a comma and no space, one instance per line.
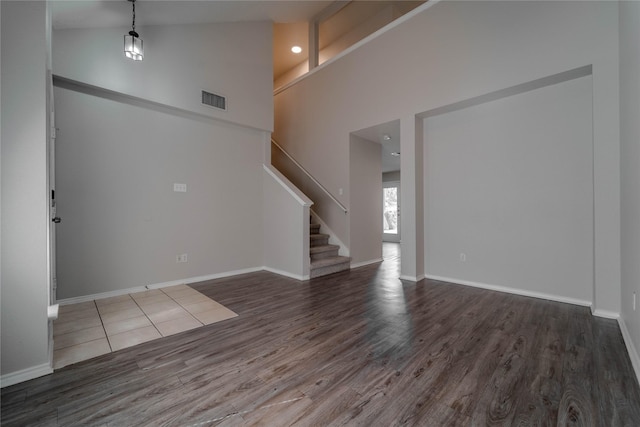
(386,137)
(296,49)
(395,153)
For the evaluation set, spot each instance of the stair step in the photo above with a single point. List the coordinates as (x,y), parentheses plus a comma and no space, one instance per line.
(319,239)
(325,266)
(323,251)
(315,228)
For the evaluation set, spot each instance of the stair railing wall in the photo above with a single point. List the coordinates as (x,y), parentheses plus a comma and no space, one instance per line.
(315,181)
(327,207)
(286,226)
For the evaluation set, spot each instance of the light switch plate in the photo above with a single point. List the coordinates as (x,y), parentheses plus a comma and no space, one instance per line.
(180,188)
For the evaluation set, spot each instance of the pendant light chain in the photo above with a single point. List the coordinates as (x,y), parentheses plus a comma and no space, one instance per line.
(133,24)
(132,42)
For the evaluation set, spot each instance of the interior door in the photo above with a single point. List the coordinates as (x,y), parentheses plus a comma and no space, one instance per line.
(52,198)
(391,211)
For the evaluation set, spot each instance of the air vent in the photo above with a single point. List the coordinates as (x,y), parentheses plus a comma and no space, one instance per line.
(213,100)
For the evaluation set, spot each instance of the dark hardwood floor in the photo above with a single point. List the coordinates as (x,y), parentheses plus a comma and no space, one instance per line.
(354,348)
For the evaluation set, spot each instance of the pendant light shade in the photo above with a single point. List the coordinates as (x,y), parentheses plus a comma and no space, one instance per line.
(133,46)
(132,42)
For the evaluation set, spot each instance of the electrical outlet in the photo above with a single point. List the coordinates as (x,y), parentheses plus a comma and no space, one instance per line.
(181,258)
(463,257)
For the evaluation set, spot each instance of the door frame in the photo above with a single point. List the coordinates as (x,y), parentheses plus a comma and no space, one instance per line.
(51,226)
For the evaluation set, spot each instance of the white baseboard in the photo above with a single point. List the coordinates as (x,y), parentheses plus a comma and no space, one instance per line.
(522,292)
(286,273)
(186,281)
(204,278)
(604,313)
(363,263)
(102,295)
(412,278)
(631,349)
(25,375)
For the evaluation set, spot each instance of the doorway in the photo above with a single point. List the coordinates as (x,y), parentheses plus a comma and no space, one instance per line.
(379,204)
(391,212)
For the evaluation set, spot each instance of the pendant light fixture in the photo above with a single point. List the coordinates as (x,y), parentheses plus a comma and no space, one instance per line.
(132,42)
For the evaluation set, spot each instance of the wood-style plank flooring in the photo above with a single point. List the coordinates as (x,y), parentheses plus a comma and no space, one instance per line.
(356,348)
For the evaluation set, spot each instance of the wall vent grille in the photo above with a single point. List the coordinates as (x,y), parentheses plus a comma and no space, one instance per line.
(213,100)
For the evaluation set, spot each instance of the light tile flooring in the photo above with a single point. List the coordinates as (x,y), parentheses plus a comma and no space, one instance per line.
(90,329)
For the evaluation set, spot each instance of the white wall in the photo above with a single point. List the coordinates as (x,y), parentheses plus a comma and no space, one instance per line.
(25,216)
(370,25)
(630,156)
(412,243)
(233,60)
(285,226)
(118,157)
(509,183)
(454,51)
(122,223)
(365,230)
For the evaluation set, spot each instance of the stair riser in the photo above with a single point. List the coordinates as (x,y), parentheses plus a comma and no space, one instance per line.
(324,255)
(319,241)
(330,269)
(325,260)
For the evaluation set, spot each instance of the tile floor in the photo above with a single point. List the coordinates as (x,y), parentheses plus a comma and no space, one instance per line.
(90,329)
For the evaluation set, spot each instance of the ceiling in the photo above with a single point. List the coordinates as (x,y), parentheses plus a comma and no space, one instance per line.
(355,20)
(286,36)
(392,145)
(117,13)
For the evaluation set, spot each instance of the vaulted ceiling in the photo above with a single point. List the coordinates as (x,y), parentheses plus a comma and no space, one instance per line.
(117,13)
(290,18)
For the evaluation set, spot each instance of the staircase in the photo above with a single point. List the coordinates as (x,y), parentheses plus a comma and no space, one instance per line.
(324,257)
